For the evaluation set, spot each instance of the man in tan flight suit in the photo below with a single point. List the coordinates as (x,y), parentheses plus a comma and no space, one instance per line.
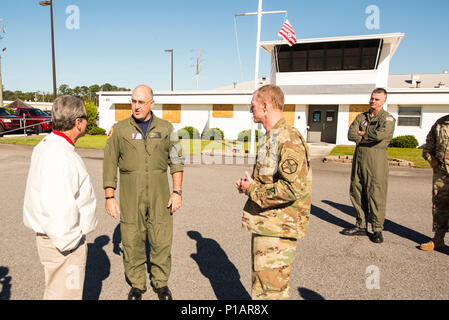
(142,147)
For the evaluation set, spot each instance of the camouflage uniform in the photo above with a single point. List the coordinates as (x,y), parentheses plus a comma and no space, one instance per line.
(278,208)
(437,147)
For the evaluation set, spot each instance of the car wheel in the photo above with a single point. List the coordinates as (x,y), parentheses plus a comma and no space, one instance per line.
(1,131)
(38,129)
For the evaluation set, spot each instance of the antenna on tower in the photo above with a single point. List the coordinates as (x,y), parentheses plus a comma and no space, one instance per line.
(197,65)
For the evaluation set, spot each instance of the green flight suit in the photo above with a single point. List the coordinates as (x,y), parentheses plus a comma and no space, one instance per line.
(369,175)
(144,193)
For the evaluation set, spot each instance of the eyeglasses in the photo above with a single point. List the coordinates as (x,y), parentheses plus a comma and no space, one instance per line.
(140,102)
(85,116)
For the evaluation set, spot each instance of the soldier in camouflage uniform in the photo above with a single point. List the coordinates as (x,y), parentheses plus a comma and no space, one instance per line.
(436,151)
(279,196)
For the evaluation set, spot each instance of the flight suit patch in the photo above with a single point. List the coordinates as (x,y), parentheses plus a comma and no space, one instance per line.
(136,136)
(289,166)
(154,135)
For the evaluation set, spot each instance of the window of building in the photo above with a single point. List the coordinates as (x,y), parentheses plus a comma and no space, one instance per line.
(409,116)
(329,56)
(171,112)
(222,110)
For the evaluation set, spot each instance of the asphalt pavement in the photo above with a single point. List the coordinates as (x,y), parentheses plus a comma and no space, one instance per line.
(211,252)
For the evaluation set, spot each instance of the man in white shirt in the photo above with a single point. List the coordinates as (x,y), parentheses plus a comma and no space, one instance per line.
(60,202)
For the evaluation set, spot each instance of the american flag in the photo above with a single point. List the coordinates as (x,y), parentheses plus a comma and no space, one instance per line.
(288,33)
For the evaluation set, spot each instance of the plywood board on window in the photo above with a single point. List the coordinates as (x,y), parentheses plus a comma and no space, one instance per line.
(355,109)
(289,113)
(222,110)
(171,112)
(122,111)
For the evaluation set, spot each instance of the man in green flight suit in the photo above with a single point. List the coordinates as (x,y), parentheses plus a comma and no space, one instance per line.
(372,132)
(142,147)
(279,196)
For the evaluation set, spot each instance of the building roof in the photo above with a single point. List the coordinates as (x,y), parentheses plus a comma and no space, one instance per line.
(418,80)
(18,104)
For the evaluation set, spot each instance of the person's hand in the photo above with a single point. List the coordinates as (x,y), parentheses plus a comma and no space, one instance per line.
(112,208)
(434,163)
(238,185)
(245,182)
(175,202)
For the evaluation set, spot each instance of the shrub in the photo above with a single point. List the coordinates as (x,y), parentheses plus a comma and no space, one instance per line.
(246,134)
(212,134)
(91,110)
(96,131)
(408,141)
(193,133)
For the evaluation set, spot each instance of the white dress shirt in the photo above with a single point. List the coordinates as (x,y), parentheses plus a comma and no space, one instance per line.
(59,197)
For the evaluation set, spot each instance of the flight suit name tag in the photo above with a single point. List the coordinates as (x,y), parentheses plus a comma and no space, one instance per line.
(136,136)
(154,135)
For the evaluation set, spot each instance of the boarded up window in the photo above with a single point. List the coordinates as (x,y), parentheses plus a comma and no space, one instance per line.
(289,113)
(222,110)
(122,111)
(171,112)
(356,109)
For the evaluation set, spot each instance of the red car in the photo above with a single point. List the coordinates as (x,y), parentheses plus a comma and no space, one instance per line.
(33,116)
(8,122)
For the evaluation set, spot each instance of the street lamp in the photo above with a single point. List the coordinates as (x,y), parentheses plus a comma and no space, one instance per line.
(171,52)
(50,3)
(1,84)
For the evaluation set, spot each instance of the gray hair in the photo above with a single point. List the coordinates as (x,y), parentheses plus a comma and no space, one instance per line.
(66,109)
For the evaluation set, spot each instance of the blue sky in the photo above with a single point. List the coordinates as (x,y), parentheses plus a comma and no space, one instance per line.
(123,42)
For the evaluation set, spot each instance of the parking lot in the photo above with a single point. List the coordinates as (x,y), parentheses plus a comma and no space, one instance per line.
(211,252)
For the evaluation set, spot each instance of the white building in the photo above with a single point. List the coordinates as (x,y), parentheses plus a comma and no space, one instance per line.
(327,82)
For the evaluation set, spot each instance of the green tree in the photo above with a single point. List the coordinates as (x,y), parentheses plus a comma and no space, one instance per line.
(91,110)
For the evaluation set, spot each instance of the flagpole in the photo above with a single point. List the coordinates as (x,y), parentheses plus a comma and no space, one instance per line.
(256,74)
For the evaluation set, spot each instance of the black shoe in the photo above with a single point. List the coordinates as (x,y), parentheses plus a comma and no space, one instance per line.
(164,293)
(377,237)
(135,294)
(354,231)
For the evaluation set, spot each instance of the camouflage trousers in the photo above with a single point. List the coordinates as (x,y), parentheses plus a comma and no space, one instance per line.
(272,259)
(440,202)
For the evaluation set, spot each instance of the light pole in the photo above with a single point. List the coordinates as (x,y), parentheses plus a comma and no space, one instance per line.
(1,84)
(50,3)
(171,52)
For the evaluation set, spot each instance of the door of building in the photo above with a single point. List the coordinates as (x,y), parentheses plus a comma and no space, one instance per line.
(322,123)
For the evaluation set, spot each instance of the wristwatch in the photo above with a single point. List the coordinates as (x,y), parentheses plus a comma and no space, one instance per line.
(178,192)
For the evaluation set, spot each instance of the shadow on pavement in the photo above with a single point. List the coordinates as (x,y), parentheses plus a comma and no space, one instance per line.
(98,268)
(308,294)
(389,225)
(5,281)
(215,265)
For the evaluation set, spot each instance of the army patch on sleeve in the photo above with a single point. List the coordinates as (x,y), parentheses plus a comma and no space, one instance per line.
(110,132)
(389,118)
(289,166)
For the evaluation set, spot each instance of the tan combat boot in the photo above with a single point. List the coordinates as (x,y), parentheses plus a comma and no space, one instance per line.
(437,243)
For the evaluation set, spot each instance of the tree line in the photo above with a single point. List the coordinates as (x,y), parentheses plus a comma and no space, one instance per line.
(87,93)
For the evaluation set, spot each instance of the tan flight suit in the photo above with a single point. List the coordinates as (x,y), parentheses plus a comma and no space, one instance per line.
(369,176)
(144,193)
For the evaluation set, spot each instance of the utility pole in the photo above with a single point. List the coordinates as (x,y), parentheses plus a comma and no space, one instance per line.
(259,14)
(171,52)
(1,83)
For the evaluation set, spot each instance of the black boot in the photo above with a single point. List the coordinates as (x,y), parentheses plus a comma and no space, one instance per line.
(354,231)
(135,294)
(377,237)
(163,293)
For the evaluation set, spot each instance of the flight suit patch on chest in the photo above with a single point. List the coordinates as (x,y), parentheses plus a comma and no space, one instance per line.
(154,135)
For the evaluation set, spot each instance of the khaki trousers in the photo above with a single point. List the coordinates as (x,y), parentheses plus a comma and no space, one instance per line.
(64,272)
